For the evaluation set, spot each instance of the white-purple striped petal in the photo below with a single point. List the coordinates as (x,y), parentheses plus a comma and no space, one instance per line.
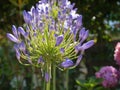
(14,30)
(12,38)
(59,39)
(21,30)
(67,63)
(88,44)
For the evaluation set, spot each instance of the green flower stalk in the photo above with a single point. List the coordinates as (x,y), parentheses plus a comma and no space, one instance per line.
(49,37)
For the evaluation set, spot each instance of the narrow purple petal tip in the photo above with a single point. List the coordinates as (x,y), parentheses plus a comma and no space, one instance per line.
(40,60)
(88,44)
(14,30)
(12,38)
(59,39)
(78,60)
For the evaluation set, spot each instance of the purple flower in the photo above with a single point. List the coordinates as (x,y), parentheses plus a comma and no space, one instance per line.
(27,17)
(17,51)
(14,30)
(21,30)
(79,22)
(109,75)
(40,60)
(67,63)
(85,46)
(59,39)
(47,77)
(79,59)
(88,44)
(12,38)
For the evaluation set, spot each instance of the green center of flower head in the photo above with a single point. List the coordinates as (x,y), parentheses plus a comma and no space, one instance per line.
(53,33)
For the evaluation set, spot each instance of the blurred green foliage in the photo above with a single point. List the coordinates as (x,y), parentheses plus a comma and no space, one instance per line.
(97,17)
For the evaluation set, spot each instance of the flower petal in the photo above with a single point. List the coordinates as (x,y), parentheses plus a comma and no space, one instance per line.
(14,30)
(79,59)
(47,77)
(88,44)
(59,39)
(12,38)
(68,63)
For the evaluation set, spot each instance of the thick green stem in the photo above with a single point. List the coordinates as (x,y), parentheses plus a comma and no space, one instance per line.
(67,80)
(49,73)
(54,77)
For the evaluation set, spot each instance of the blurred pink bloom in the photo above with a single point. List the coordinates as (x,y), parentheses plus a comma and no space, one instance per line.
(117,53)
(109,75)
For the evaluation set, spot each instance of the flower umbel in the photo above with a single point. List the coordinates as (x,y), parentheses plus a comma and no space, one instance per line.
(109,75)
(49,36)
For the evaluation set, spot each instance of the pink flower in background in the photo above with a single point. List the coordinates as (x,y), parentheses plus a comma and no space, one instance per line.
(109,75)
(117,53)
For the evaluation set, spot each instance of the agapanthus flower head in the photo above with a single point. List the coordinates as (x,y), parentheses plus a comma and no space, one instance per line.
(53,34)
(109,75)
(117,53)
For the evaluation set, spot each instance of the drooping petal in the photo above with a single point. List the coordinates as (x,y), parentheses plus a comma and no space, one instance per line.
(81,33)
(85,35)
(17,51)
(68,63)
(88,44)
(12,38)
(59,39)
(27,17)
(14,30)
(21,30)
(47,77)
(78,60)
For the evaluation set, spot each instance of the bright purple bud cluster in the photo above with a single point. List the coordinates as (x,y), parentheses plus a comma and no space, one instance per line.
(109,75)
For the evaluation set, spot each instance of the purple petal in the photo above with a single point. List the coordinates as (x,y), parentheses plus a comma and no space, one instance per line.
(62,50)
(27,17)
(14,30)
(88,44)
(59,40)
(81,33)
(68,63)
(12,38)
(17,52)
(78,48)
(40,60)
(22,46)
(78,60)
(47,77)
(79,21)
(85,35)
(21,30)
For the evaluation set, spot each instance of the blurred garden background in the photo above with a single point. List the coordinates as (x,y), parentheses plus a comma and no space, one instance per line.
(101,17)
